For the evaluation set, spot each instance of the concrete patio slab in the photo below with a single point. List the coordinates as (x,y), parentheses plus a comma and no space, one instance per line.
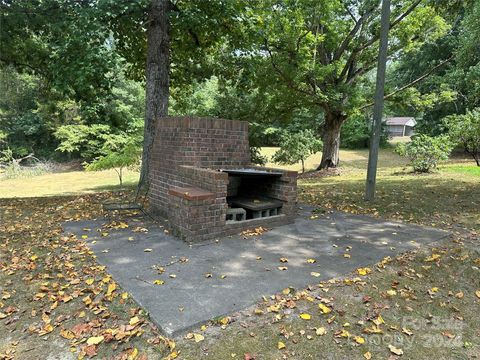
(242,269)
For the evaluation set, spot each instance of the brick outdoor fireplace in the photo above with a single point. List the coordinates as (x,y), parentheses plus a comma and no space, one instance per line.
(202,181)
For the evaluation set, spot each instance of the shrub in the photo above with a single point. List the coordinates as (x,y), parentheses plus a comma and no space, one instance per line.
(464,130)
(425,152)
(297,147)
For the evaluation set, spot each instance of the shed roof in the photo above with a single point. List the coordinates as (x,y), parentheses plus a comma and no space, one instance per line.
(404,121)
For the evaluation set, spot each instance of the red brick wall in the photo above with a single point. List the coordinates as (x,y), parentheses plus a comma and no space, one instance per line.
(200,142)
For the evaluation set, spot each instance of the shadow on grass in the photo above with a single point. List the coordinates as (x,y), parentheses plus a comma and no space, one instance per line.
(117,187)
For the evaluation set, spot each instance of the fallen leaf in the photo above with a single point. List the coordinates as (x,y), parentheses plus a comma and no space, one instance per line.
(311,261)
(94,340)
(134,321)
(320,331)
(325,309)
(198,337)
(305,316)
(433,257)
(395,350)
(147,250)
(359,339)
(364,271)
(159,282)
(367,355)
(316,274)
(281,345)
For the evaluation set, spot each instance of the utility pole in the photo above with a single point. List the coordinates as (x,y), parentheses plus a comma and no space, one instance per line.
(378,105)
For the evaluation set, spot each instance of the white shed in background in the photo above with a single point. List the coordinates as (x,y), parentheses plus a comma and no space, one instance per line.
(400,126)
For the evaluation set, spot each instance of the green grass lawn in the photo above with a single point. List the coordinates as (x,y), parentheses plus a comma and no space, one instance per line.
(65,183)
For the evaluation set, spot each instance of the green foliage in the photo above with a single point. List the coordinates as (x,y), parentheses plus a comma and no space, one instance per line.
(297,147)
(451,89)
(464,130)
(425,152)
(126,156)
(87,141)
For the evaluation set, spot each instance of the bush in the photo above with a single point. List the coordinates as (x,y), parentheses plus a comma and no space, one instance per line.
(425,152)
(297,147)
(464,130)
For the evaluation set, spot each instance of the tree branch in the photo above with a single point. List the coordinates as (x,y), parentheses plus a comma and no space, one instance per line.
(410,84)
(343,46)
(372,40)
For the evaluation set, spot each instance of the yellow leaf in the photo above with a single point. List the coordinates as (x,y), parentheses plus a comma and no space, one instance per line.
(305,316)
(198,337)
(95,340)
(364,271)
(89,281)
(281,345)
(159,282)
(133,354)
(379,320)
(433,258)
(67,334)
(282,268)
(391,292)
(225,320)
(325,309)
(347,256)
(283,260)
(33,257)
(477,293)
(434,290)
(359,339)
(3,315)
(111,288)
(286,291)
(395,350)
(316,274)
(320,331)
(258,312)
(311,261)
(367,355)
(125,296)
(134,321)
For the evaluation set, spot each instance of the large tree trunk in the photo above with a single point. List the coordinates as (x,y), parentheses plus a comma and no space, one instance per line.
(157,80)
(331,139)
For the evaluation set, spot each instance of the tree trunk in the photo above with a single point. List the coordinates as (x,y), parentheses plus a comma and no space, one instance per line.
(157,80)
(331,139)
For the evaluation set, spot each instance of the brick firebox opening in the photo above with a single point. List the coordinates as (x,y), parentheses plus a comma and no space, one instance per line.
(202,181)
